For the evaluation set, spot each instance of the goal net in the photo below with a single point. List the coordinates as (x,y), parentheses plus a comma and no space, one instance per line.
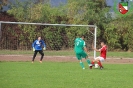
(58,37)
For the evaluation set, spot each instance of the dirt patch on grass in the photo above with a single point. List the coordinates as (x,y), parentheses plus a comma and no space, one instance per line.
(61,59)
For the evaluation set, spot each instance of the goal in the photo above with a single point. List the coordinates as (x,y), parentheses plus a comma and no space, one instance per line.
(58,37)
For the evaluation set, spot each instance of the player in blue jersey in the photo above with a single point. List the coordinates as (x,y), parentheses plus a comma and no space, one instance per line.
(38,46)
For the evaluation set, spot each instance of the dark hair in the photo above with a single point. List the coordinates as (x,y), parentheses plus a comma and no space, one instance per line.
(104,41)
(83,36)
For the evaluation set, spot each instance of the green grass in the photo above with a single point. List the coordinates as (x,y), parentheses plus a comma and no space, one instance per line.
(66,53)
(120,54)
(64,75)
(30,52)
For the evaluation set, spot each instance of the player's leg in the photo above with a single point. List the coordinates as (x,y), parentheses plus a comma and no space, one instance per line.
(80,59)
(84,55)
(99,60)
(42,55)
(35,53)
(93,63)
(82,64)
(89,63)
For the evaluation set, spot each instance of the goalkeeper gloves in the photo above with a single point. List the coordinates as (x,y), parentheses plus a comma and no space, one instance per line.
(44,48)
(33,49)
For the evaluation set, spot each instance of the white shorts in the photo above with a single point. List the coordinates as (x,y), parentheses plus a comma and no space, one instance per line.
(100,58)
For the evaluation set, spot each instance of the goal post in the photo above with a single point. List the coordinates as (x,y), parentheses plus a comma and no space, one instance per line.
(94,33)
(0,32)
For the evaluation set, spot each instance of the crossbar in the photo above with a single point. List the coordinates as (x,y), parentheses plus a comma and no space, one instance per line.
(47,24)
(7,22)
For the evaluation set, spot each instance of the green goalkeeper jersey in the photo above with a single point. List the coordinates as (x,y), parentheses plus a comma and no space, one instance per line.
(79,45)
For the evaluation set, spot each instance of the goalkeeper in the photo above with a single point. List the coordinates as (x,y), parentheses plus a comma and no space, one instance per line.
(38,46)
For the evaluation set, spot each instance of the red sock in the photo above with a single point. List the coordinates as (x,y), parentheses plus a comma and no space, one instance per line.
(99,63)
(92,63)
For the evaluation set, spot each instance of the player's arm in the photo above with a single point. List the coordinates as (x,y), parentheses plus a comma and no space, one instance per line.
(85,49)
(43,43)
(33,45)
(98,50)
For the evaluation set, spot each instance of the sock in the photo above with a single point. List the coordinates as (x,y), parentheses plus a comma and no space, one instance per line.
(88,61)
(92,63)
(82,65)
(99,63)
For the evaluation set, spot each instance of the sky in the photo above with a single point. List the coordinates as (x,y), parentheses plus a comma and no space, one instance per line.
(53,3)
(57,2)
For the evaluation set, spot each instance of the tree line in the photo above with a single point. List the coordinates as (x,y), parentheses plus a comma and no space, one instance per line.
(118,31)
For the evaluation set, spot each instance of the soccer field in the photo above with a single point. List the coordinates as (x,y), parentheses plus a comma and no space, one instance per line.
(65,53)
(64,75)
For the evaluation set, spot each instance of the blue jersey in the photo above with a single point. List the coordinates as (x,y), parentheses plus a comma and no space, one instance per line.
(38,45)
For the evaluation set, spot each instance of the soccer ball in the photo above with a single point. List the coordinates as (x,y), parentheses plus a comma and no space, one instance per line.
(96,65)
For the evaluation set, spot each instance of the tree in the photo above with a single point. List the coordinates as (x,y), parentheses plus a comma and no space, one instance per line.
(119,33)
(74,12)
